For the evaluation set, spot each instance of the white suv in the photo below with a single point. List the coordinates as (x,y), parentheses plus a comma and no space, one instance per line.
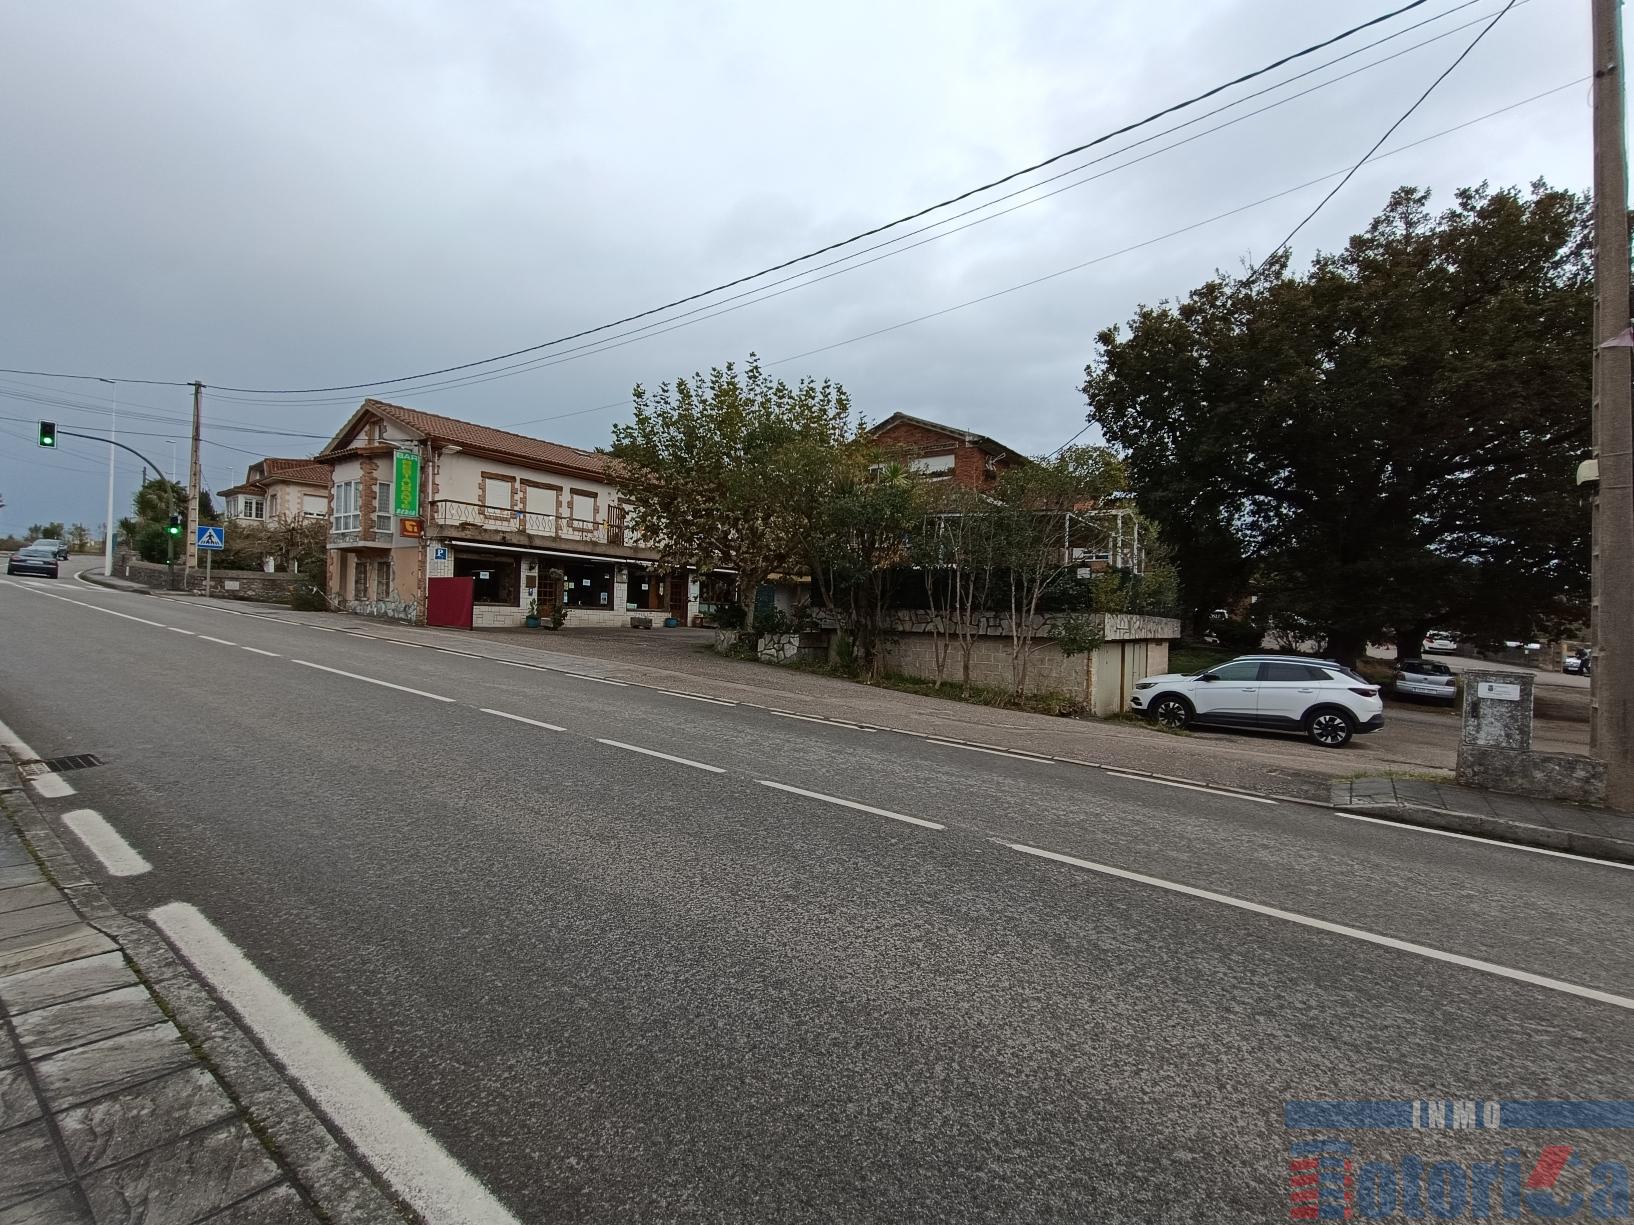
(1320,699)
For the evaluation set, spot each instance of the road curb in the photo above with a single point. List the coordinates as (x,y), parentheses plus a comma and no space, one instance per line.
(1496,829)
(96,578)
(339,1185)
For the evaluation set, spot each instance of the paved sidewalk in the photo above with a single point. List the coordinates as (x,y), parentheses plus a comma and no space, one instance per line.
(117,584)
(1552,824)
(106,1114)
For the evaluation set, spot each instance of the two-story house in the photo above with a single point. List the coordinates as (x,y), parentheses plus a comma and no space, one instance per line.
(276,489)
(946,451)
(515,519)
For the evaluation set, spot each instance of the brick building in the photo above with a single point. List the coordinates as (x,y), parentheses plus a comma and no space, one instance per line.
(961,456)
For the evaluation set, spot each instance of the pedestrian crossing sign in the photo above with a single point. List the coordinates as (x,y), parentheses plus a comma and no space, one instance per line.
(209,536)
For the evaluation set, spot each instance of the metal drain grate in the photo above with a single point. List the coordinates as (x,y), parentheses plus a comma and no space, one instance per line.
(74,761)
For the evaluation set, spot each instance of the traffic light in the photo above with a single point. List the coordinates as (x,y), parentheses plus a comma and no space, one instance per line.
(174,527)
(48,433)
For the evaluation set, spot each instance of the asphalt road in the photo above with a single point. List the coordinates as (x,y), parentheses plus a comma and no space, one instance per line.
(624,987)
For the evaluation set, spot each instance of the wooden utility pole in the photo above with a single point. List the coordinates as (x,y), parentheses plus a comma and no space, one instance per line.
(195,478)
(1612,677)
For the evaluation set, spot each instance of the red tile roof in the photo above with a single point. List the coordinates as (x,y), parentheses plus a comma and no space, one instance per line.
(479,438)
(301,472)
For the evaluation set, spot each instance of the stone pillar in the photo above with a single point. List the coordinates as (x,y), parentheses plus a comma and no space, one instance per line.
(1497,710)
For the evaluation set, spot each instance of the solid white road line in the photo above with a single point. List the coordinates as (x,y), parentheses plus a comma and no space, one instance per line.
(680,761)
(1337,929)
(420,693)
(405,1154)
(269,654)
(697,697)
(218,641)
(976,748)
(52,786)
(1164,782)
(93,607)
(549,727)
(178,630)
(11,740)
(1507,846)
(834,799)
(600,680)
(116,855)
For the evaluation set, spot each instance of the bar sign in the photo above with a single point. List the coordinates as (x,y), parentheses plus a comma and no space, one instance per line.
(406,485)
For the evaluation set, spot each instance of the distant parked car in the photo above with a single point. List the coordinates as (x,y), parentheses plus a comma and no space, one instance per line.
(1326,702)
(1578,664)
(1439,642)
(37,558)
(1425,678)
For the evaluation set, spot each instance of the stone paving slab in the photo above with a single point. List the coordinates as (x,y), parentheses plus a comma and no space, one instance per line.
(114,1129)
(54,947)
(59,984)
(36,918)
(29,1165)
(63,1206)
(279,1206)
(183,1181)
(17,1101)
(45,1031)
(18,874)
(111,1066)
(24,896)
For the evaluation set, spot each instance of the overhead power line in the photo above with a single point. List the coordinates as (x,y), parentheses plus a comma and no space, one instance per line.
(855,238)
(1388,133)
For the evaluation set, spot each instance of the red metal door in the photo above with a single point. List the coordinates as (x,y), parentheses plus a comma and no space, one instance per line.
(448,602)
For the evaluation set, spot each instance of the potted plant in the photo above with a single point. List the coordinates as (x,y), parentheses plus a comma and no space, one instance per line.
(558,616)
(532,619)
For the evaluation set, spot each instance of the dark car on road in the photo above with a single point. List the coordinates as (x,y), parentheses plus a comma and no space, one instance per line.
(59,547)
(37,558)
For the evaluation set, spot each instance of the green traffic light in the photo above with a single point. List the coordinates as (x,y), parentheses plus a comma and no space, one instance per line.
(48,433)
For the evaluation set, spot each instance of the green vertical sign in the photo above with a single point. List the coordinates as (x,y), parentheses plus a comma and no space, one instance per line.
(406,485)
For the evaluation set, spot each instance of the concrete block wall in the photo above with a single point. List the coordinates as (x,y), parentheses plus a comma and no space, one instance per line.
(251,584)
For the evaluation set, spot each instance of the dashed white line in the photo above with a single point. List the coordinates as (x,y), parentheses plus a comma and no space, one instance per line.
(549,727)
(600,680)
(1165,782)
(116,855)
(411,1161)
(789,714)
(976,748)
(81,603)
(1337,929)
(259,651)
(834,799)
(178,630)
(696,697)
(680,761)
(52,786)
(218,641)
(356,676)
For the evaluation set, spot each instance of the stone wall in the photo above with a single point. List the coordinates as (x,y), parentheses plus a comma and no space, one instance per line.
(226,584)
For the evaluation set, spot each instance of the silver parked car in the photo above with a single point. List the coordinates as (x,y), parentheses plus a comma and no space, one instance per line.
(1425,678)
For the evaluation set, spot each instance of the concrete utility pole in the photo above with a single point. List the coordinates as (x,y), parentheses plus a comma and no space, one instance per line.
(108,529)
(1612,678)
(195,478)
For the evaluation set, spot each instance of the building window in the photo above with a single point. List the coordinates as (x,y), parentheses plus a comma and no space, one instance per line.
(250,508)
(493,579)
(360,578)
(382,509)
(314,505)
(348,512)
(498,496)
(272,505)
(382,579)
(932,465)
(588,585)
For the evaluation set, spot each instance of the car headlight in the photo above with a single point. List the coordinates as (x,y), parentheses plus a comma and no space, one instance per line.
(1145,684)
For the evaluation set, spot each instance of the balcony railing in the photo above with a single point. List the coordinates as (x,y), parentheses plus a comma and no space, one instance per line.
(528,523)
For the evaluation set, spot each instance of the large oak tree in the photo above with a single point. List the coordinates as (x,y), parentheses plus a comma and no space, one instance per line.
(1384,442)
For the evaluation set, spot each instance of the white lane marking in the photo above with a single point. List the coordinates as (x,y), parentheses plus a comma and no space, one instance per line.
(680,761)
(1164,782)
(834,799)
(600,680)
(218,641)
(328,629)
(269,654)
(549,727)
(452,651)
(1337,929)
(52,786)
(116,855)
(789,714)
(421,693)
(417,1167)
(33,582)
(178,630)
(11,740)
(1507,846)
(976,748)
(93,607)
(696,697)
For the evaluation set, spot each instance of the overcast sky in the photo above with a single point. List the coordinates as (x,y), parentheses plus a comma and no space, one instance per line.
(290,193)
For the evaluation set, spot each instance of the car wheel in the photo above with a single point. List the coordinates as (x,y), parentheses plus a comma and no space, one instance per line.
(1332,729)
(1171,712)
